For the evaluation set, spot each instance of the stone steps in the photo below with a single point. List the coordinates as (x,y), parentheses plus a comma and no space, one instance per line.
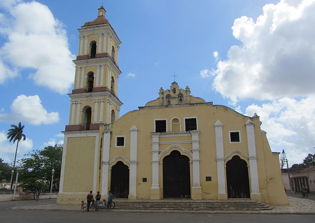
(192,205)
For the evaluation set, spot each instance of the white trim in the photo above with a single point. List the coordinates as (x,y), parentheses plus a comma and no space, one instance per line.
(118,158)
(184,119)
(160,119)
(155,162)
(178,148)
(195,159)
(176,142)
(95,112)
(133,162)
(239,136)
(96,162)
(236,152)
(251,142)
(219,145)
(105,163)
(63,163)
(102,75)
(116,142)
(102,111)
(172,134)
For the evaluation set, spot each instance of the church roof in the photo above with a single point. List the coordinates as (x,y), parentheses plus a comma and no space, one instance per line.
(100,20)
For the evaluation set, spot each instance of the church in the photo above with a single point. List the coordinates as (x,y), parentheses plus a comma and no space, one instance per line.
(176,146)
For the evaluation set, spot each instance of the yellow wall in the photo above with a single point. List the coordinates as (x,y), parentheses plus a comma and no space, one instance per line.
(79,166)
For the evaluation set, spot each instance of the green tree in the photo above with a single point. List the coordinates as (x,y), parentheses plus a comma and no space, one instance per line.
(309,161)
(15,134)
(5,171)
(36,170)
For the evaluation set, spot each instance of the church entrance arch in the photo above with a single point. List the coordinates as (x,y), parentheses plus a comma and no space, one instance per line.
(176,176)
(120,180)
(237,178)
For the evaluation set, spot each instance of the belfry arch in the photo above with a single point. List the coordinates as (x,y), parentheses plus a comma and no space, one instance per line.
(176,176)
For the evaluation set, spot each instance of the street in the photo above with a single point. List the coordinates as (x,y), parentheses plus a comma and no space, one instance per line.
(8,215)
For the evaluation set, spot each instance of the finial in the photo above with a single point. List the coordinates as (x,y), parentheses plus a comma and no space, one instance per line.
(101,11)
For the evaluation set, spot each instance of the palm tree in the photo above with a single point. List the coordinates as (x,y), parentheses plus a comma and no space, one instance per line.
(15,134)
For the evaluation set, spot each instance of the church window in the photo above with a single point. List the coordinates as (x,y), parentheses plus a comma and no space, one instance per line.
(160,125)
(174,90)
(113,52)
(112,84)
(90,81)
(93,49)
(175,125)
(112,116)
(190,124)
(120,141)
(235,136)
(87,113)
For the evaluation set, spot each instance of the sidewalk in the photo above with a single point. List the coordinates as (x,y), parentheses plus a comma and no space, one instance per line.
(297,206)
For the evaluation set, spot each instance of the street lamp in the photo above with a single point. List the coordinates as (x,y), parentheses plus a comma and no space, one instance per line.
(52,179)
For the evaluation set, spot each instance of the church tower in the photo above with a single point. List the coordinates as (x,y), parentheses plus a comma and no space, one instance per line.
(94,99)
(94,104)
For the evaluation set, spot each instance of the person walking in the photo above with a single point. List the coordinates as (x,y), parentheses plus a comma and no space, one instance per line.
(89,200)
(110,199)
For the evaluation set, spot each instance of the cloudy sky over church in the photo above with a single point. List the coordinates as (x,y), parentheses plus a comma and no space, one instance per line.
(253,56)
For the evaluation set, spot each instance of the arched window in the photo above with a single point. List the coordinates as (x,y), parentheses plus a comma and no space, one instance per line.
(87,114)
(93,49)
(112,85)
(175,125)
(168,99)
(180,98)
(113,52)
(112,116)
(90,81)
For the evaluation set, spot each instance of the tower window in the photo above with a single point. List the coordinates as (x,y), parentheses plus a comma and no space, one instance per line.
(235,136)
(160,125)
(87,114)
(180,98)
(113,52)
(90,81)
(112,116)
(93,49)
(112,84)
(168,99)
(190,124)
(120,141)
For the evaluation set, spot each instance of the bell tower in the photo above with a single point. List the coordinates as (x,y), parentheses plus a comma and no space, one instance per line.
(94,99)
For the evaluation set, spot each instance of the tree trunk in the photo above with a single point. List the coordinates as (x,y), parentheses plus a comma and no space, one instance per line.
(17,145)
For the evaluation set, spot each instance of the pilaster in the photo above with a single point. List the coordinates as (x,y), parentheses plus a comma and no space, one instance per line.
(155,188)
(133,163)
(220,160)
(196,189)
(254,181)
(105,163)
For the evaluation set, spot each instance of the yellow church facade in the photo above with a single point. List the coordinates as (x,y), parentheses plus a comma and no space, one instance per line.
(176,146)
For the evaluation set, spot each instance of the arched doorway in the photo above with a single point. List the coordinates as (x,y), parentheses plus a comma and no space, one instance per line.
(176,176)
(120,180)
(237,178)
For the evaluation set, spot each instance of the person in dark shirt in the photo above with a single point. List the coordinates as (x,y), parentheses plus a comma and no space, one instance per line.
(89,200)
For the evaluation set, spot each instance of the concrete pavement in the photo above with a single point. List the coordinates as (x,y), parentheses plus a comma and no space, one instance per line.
(297,206)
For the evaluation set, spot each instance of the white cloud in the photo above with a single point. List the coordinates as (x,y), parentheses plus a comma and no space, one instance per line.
(7,149)
(37,40)
(131,75)
(290,125)
(205,73)
(29,109)
(56,140)
(276,57)
(8,3)
(216,55)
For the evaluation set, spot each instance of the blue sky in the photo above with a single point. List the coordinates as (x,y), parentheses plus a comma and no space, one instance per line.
(254,56)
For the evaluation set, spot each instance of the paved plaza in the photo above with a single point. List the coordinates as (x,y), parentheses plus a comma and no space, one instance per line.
(46,211)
